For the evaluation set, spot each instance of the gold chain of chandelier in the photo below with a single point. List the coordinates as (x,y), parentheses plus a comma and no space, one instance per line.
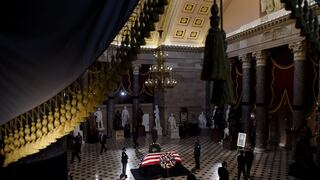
(43,125)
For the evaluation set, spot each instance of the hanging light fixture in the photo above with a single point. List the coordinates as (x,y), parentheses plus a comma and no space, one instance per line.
(161,76)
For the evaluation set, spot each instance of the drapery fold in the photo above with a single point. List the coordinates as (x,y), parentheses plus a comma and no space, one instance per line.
(46,45)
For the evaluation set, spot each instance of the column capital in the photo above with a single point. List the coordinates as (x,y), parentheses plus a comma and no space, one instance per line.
(299,50)
(136,68)
(261,57)
(246,60)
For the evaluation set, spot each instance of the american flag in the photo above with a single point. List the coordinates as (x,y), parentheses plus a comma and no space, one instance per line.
(154,159)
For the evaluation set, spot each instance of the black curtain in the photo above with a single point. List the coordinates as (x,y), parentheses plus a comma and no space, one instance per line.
(46,45)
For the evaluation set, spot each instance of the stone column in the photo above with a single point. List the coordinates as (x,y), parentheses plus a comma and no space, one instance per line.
(299,60)
(261,109)
(135,98)
(110,114)
(246,96)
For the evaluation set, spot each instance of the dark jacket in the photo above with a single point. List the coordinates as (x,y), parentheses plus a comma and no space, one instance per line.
(223,173)
(197,149)
(124,157)
(249,156)
(241,162)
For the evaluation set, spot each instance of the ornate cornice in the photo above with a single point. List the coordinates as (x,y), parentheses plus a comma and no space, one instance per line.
(175,48)
(260,28)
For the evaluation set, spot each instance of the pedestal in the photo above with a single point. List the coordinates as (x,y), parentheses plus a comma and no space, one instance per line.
(216,135)
(159,130)
(204,131)
(174,134)
(118,135)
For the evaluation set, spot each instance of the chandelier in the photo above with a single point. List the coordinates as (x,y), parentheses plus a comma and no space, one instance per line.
(160,74)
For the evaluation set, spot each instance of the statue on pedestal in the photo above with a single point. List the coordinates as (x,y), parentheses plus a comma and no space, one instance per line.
(174,132)
(202,120)
(157,116)
(212,117)
(125,116)
(172,122)
(98,115)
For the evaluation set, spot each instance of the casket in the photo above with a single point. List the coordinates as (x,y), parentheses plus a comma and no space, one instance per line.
(150,164)
(154,159)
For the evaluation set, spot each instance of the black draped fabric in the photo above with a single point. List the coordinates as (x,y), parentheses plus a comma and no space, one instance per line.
(46,45)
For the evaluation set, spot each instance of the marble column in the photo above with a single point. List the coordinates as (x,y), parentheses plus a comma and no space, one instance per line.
(299,60)
(110,114)
(135,98)
(261,109)
(246,96)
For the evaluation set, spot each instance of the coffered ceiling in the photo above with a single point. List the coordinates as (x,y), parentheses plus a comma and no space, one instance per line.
(185,23)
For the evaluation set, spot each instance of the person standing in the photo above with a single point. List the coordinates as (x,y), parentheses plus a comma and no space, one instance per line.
(103,142)
(124,160)
(249,156)
(241,165)
(196,152)
(223,172)
(76,149)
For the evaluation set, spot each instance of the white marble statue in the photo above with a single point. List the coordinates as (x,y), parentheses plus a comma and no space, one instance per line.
(270,6)
(145,122)
(157,120)
(213,114)
(202,121)
(227,113)
(99,117)
(172,122)
(125,116)
(157,116)
(226,131)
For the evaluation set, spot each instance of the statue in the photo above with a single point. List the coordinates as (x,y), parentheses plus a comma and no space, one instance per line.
(212,118)
(202,120)
(98,115)
(157,116)
(124,116)
(270,6)
(226,131)
(227,113)
(157,121)
(172,122)
(117,122)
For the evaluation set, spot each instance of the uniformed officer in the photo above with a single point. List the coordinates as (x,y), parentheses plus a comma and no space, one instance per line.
(124,160)
(196,151)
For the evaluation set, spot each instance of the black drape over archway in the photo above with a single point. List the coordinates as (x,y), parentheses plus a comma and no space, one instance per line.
(46,45)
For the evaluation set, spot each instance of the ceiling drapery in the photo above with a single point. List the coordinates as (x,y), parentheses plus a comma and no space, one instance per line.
(46,45)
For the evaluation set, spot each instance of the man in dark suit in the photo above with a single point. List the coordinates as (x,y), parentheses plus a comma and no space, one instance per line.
(196,152)
(223,172)
(103,142)
(124,160)
(249,156)
(241,165)
(76,149)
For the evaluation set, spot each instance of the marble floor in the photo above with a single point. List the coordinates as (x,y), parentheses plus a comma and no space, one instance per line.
(94,166)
